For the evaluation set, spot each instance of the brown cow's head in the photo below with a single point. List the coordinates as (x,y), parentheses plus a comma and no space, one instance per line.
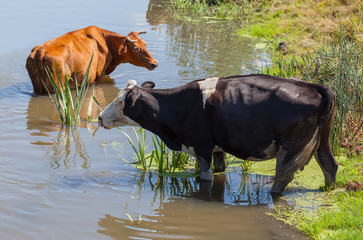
(134,51)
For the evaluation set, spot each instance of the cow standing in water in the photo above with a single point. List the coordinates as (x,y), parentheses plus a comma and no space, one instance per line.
(72,53)
(253,117)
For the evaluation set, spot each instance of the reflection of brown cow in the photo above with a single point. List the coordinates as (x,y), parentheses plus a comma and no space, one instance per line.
(72,53)
(41,122)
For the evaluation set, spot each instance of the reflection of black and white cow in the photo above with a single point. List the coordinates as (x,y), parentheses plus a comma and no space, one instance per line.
(254,117)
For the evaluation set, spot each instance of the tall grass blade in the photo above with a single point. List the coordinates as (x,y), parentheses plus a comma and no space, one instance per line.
(56,104)
(67,107)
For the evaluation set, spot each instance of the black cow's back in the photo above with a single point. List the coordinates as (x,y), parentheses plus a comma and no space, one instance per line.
(249,113)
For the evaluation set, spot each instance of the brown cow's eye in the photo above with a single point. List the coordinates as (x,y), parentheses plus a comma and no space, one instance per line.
(136,49)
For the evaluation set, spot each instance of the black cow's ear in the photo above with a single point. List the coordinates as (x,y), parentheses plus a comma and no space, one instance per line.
(135,93)
(148,84)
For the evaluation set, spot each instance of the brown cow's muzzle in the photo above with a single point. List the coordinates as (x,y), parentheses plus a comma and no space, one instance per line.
(154,65)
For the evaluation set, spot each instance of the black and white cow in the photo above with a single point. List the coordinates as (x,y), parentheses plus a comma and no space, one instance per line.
(253,117)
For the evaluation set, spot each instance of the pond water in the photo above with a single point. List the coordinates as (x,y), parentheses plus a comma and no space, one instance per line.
(72,183)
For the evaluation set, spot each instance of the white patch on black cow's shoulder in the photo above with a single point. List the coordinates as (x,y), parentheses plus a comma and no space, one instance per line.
(189,150)
(208,87)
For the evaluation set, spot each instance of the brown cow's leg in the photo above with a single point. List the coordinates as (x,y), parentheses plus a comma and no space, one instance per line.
(34,75)
(49,66)
(219,161)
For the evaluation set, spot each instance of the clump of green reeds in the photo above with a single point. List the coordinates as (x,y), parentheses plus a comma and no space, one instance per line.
(338,65)
(234,161)
(139,147)
(67,107)
(161,158)
(168,160)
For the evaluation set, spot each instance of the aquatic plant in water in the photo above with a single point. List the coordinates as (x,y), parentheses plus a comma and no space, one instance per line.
(161,157)
(168,160)
(139,147)
(67,107)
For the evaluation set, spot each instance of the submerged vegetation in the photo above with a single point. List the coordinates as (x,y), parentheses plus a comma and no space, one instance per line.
(212,10)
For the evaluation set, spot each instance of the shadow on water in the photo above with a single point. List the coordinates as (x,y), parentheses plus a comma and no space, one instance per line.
(67,147)
(234,188)
(201,207)
(64,144)
(43,117)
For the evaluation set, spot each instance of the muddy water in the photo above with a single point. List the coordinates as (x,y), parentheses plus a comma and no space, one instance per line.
(73,183)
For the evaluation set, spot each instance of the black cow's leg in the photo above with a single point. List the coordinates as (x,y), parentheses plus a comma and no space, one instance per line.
(282,177)
(219,161)
(204,157)
(205,169)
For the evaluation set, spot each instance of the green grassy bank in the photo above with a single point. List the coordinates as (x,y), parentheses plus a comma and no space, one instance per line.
(333,214)
(302,24)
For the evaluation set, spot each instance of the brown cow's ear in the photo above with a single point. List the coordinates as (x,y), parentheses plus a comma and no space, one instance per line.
(123,47)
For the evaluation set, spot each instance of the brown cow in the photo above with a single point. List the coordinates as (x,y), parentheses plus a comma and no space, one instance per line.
(72,53)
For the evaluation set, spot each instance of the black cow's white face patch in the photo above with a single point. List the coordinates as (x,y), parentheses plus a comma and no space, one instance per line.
(208,87)
(113,115)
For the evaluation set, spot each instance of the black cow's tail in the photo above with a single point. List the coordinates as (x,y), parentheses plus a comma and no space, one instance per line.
(329,105)
(322,132)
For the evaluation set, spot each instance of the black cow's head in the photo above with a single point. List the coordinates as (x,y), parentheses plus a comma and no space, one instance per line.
(113,115)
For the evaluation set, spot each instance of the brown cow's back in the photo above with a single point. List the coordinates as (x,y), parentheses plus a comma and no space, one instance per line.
(72,53)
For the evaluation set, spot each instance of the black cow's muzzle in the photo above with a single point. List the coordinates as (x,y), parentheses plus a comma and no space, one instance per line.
(100,122)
